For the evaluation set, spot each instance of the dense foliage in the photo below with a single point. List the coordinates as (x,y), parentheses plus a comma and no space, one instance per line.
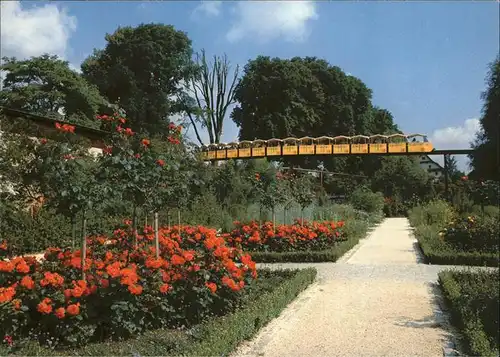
(457,238)
(473,300)
(486,158)
(46,85)
(141,68)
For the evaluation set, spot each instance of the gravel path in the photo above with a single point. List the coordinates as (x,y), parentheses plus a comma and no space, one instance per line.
(378,300)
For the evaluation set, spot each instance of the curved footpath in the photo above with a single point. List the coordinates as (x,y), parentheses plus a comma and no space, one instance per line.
(378,300)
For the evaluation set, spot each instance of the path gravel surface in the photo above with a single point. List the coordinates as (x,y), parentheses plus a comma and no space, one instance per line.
(377,300)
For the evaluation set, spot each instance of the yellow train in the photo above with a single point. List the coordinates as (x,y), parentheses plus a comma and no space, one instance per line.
(325,145)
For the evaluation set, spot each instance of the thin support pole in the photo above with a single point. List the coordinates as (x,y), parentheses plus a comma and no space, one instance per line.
(446,168)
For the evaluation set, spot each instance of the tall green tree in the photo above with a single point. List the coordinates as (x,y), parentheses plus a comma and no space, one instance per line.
(486,158)
(382,122)
(401,176)
(452,168)
(141,68)
(45,85)
(306,97)
(210,92)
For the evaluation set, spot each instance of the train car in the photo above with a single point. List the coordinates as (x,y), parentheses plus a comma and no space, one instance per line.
(419,143)
(232,150)
(212,151)
(274,147)
(359,144)
(221,151)
(245,149)
(259,148)
(323,145)
(290,146)
(378,144)
(341,144)
(397,143)
(306,146)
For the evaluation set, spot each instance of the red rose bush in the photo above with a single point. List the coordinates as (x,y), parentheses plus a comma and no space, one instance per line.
(286,238)
(126,290)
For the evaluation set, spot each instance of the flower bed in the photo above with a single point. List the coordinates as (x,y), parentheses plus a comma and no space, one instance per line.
(265,298)
(445,238)
(308,242)
(126,289)
(286,238)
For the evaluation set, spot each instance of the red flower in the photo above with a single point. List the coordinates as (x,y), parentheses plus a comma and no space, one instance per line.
(9,340)
(173,140)
(135,289)
(146,142)
(164,288)
(211,286)
(137,156)
(66,128)
(43,141)
(129,132)
(108,150)
(73,309)
(160,162)
(22,267)
(465,178)
(188,256)
(177,260)
(257,176)
(45,306)
(60,312)
(27,282)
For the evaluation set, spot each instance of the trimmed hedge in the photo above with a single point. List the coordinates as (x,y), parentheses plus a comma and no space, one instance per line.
(438,252)
(473,300)
(328,255)
(218,336)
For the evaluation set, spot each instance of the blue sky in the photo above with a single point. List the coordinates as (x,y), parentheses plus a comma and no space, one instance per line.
(426,62)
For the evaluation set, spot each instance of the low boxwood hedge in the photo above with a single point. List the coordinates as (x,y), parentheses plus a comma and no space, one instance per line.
(273,291)
(473,300)
(437,252)
(306,256)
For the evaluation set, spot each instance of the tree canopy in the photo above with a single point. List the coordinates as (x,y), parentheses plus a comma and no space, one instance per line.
(304,97)
(307,97)
(141,68)
(45,85)
(486,159)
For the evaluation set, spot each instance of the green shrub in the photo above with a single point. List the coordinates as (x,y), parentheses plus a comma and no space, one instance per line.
(437,251)
(217,336)
(490,211)
(435,212)
(306,256)
(473,300)
(48,229)
(474,233)
(366,200)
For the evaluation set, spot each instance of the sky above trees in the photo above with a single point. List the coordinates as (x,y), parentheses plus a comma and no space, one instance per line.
(426,62)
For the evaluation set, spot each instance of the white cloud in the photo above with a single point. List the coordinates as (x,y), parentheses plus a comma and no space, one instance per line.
(266,21)
(456,137)
(33,31)
(208,8)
